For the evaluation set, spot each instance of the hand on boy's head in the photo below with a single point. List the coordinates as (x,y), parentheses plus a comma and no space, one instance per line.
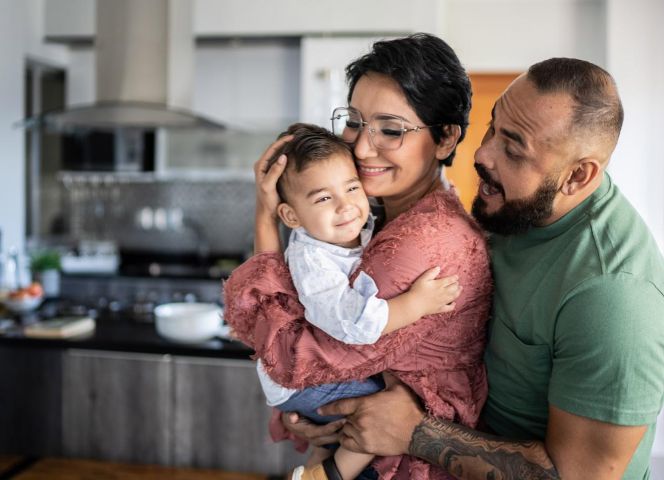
(267,197)
(261,165)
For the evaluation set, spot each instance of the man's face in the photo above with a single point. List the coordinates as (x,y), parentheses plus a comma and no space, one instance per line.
(522,159)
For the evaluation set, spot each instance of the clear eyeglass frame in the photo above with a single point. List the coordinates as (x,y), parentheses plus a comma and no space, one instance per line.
(386,131)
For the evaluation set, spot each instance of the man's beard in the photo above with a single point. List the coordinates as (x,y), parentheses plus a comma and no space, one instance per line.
(515,216)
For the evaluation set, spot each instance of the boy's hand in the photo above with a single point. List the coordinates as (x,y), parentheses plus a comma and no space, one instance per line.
(435,295)
(318,435)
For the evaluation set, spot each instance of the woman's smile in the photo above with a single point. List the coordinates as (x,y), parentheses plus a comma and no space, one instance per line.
(371,171)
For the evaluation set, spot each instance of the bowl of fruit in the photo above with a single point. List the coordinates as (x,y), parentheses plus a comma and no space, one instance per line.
(25,299)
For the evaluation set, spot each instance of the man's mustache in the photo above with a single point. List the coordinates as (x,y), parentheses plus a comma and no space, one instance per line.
(486,178)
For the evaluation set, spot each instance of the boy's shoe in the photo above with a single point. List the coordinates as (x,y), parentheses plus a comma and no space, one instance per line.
(327,470)
(315,472)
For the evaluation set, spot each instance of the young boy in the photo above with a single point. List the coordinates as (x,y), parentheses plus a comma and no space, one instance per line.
(325,206)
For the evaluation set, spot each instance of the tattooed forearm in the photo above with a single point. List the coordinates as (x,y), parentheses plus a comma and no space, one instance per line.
(467,454)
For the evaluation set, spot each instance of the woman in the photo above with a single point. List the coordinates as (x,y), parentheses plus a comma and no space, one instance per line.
(409,101)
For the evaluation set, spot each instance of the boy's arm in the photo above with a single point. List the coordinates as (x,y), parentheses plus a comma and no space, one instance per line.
(354,314)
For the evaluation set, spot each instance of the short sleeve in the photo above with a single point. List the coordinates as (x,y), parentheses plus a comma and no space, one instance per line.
(609,351)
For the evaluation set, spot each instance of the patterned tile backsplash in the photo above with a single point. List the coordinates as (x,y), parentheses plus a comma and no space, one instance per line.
(205,213)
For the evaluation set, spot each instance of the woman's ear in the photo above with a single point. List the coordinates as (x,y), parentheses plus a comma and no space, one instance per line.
(448,141)
(584,172)
(288,215)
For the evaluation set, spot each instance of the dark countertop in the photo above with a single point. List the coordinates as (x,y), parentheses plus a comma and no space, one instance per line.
(120,334)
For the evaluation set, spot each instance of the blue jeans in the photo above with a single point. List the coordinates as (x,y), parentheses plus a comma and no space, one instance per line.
(306,401)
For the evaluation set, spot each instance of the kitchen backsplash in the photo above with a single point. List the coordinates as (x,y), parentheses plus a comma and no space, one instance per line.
(200,213)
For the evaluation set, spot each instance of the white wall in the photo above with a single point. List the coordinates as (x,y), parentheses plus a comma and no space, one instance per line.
(323,78)
(81,85)
(269,17)
(12,23)
(634,31)
(20,38)
(256,84)
(510,35)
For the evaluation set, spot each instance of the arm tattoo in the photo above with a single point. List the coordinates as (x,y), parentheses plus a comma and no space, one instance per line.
(466,453)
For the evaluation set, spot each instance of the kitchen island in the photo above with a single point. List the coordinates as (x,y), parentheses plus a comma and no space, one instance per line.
(124,394)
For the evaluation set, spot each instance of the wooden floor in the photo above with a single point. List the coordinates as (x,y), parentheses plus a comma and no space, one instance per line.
(8,461)
(72,469)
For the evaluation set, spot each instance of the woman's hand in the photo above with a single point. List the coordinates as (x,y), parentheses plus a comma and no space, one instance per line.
(266,236)
(382,423)
(315,434)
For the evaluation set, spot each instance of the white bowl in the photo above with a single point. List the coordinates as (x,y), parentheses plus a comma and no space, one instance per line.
(23,305)
(189,322)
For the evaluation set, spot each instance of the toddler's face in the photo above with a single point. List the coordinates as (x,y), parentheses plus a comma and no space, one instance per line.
(327,199)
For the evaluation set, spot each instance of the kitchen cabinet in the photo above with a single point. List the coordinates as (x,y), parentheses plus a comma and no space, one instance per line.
(117,406)
(73,20)
(168,410)
(322,74)
(30,401)
(221,418)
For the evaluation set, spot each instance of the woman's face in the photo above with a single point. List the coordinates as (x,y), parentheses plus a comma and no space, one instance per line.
(392,173)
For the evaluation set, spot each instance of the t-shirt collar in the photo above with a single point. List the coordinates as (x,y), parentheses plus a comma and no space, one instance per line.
(569,219)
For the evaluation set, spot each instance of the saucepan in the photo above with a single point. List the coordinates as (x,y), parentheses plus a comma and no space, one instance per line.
(190,322)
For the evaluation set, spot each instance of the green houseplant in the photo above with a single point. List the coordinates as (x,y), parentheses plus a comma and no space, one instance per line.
(46,266)
(45,260)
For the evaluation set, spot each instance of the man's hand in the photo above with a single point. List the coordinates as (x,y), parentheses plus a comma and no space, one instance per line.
(381,424)
(315,434)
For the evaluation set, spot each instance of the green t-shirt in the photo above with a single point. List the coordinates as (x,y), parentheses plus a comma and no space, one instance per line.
(578,322)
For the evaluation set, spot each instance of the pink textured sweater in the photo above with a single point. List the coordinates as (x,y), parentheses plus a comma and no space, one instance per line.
(439,357)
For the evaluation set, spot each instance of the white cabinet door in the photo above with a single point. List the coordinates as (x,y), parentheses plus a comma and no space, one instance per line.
(69,19)
(323,77)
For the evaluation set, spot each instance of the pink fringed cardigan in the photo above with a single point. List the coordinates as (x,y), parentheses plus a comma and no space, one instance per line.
(439,357)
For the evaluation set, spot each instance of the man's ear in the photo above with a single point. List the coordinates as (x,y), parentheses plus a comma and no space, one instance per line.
(448,141)
(583,173)
(288,215)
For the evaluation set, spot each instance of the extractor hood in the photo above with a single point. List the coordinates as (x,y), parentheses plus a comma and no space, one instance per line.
(144,70)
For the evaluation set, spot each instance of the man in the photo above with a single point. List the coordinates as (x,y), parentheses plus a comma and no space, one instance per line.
(576,342)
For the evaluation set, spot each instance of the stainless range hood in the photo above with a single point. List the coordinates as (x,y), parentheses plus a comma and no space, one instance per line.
(144,70)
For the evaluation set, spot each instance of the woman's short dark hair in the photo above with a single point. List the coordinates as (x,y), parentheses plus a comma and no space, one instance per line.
(310,144)
(430,75)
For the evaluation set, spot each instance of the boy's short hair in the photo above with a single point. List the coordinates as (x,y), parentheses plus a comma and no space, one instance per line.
(310,144)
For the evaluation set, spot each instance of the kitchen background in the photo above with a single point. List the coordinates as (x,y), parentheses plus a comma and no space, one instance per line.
(257,66)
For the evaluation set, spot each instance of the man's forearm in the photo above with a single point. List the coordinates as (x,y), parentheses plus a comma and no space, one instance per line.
(469,454)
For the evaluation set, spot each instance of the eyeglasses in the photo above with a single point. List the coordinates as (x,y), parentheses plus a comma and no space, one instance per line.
(386,131)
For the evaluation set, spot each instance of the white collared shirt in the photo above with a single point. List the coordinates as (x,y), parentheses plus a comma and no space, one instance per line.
(320,272)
